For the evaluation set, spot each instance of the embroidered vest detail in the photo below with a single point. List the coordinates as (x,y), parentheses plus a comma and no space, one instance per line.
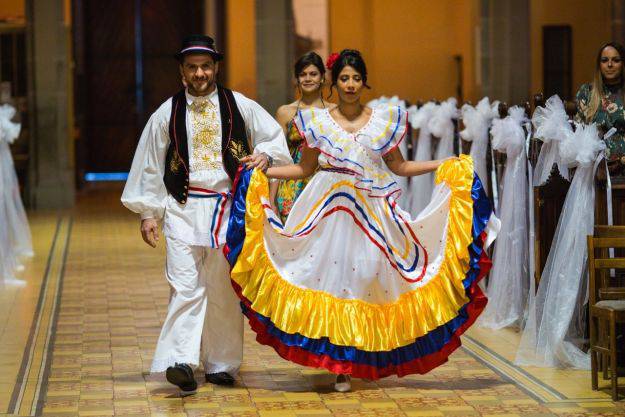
(234,142)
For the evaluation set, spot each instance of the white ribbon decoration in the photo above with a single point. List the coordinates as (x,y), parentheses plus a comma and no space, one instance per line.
(15,238)
(547,339)
(493,172)
(509,282)
(477,122)
(421,186)
(551,126)
(532,224)
(609,133)
(9,131)
(441,125)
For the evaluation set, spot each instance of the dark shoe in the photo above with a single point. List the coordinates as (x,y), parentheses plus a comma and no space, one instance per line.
(220,378)
(343,383)
(181,375)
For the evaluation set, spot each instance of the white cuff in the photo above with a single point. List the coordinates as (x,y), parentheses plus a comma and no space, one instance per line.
(147,215)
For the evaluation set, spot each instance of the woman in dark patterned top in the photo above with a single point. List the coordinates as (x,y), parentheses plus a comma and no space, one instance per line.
(602,101)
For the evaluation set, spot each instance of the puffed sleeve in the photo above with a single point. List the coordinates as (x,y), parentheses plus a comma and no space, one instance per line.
(145,191)
(387,129)
(266,134)
(308,122)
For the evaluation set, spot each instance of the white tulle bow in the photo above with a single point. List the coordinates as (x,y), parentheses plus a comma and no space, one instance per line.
(9,131)
(441,125)
(385,101)
(15,238)
(508,134)
(554,332)
(477,122)
(552,127)
(421,116)
(582,146)
(421,186)
(509,282)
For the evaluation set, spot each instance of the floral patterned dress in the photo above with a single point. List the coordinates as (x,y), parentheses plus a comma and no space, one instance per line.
(610,114)
(289,190)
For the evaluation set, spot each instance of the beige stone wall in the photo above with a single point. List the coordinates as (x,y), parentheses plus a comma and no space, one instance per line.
(240,62)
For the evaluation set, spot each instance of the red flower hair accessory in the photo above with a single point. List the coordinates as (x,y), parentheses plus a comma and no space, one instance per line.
(331,60)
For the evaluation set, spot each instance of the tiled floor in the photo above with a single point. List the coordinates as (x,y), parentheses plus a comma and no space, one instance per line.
(78,340)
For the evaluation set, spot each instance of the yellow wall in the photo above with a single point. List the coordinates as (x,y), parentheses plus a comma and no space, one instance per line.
(590,23)
(240,61)
(11,9)
(409,45)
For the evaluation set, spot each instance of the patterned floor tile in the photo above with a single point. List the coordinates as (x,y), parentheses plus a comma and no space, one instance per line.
(112,304)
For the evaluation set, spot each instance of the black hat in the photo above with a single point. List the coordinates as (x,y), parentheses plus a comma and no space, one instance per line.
(199,44)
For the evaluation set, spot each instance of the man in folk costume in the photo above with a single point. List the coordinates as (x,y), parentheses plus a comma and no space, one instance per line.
(182,173)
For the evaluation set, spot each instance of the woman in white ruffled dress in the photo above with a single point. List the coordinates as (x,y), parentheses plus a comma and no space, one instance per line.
(350,282)
(15,239)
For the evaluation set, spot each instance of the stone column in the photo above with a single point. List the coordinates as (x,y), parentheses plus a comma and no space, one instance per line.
(274,53)
(508,50)
(618,21)
(49,55)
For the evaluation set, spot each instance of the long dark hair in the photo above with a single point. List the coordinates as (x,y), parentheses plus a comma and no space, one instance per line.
(597,82)
(309,58)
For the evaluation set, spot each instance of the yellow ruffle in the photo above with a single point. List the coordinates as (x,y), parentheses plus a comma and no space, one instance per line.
(366,326)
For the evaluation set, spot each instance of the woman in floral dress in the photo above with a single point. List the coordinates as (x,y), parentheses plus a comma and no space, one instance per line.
(601,102)
(310,75)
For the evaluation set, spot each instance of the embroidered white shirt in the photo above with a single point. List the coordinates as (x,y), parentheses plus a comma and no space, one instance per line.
(202,220)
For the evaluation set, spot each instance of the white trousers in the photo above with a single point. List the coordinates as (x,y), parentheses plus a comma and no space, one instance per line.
(204,323)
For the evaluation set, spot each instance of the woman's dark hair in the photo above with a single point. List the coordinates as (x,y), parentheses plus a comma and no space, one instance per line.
(351,58)
(309,58)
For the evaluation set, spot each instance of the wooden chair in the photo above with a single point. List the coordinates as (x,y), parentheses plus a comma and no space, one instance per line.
(606,302)
(610,288)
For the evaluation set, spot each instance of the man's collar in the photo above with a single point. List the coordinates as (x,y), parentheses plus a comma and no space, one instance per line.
(191,99)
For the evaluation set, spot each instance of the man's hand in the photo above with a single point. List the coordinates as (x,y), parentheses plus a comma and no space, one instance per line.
(149,231)
(257,160)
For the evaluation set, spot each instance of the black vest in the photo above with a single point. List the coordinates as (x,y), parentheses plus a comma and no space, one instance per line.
(234,143)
